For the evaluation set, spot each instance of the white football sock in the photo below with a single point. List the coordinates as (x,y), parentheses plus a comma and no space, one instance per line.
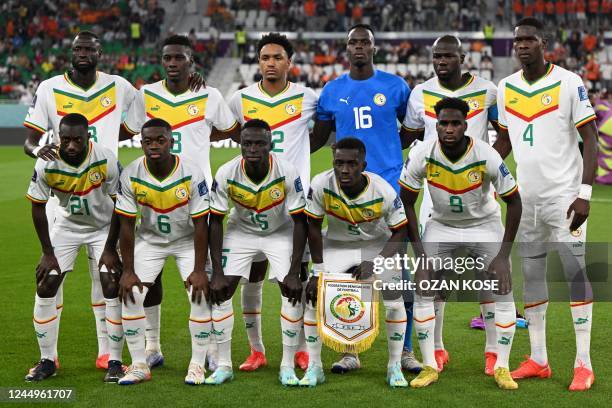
(114,329)
(395,320)
(582,315)
(59,306)
(424,326)
(439,307)
(535,292)
(223,325)
(133,320)
(153,327)
(251,300)
(488,316)
(200,327)
(302,335)
(98,304)
(291,324)
(46,326)
(505,326)
(313,340)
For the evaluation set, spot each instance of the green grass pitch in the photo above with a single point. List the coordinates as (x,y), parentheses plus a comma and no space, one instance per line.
(462,383)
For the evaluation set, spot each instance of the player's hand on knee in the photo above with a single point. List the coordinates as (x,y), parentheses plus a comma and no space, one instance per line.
(48,152)
(363,271)
(581,209)
(500,268)
(47,264)
(312,288)
(218,288)
(293,288)
(110,262)
(128,280)
(198,282)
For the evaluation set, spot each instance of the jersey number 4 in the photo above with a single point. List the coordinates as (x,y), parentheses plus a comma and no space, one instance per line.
(363,120)
(528,134)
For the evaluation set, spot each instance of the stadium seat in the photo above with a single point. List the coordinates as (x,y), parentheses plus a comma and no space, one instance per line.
(252,15)
(241,16)
(271,25)
(205,23)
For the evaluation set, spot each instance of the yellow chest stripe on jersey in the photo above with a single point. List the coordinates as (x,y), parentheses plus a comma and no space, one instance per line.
(79,183)
(94,107)
(531,105)
(475,100)
(162,199)
(260,200)
(458,181)
(276,114)
(177,114)
(335,205)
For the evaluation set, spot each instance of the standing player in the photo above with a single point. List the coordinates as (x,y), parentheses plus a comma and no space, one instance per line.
(543,109)
(171,196)
(367,103)
(460,171)
(193,115)
(287,108)
(267,220)
(366,220)
(420,123)
(84,178)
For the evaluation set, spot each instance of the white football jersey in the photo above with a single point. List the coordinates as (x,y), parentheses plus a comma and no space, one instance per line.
(370,216)
(479,94)
(288,114)
(103,104)
(85,192)
(460,190)
(258,208)
(542,120)
(167,206)
(191,115)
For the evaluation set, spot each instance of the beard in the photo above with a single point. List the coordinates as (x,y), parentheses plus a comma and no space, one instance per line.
(84,68)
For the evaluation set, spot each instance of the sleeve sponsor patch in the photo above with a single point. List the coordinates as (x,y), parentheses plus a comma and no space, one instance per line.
(504,170)
(202,188)
(397,203)
(298,185)
(582,93)
(34,176)
(309,194)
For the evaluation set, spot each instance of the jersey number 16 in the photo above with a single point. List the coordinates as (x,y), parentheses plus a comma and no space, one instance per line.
(363,120)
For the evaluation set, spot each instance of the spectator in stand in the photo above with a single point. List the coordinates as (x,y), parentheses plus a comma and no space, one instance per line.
(570,10)
(589,42)
(592,72)
(518,9)
(539,9)
(560,11)
(593,12)
(581,12)
(549,11)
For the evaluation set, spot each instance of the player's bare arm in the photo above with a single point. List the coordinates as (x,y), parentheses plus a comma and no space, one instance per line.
(47,152)
(501,263)
(110,258)
(198,280)
(315,243)
(581,206)
(126,244)
(48,261)
(219,284)
(292,283)
(502,143)
(408,136)
(320,134)
(232,133)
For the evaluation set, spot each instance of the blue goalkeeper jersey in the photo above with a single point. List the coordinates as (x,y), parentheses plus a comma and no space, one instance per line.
(369,110)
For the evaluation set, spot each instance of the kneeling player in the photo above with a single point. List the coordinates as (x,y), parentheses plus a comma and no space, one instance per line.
(460,171)
(172,198)
(84,179)
(267,219)
(366,220)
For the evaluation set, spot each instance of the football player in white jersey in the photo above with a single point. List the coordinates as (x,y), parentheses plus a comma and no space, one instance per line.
(84,178)
(288,108)
(366,221)
(543,109)
(420,124)
(170,196)
(266,220)
(461,171)
(196,117)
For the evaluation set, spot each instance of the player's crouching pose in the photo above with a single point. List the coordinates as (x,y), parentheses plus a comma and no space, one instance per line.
(84,178)
(366,220)
(172,197)
(460,171)
(267,219)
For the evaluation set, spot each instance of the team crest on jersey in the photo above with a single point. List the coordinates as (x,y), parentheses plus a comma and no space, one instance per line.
(474,177)
(367,213)
(275,193)
(473,104)
(380,99)
(290,109)
(546,99)
(202,188)
(105,101)
(577,233)
(193,110)
(94,177)
(180,193)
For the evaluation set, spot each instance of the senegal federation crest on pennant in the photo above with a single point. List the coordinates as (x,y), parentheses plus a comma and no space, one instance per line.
(347,313)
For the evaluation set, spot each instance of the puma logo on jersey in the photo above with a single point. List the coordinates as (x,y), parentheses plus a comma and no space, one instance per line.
(345,100)
(513,101)
(155,108)
(68,105)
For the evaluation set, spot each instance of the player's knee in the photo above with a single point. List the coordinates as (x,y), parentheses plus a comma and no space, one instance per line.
(258,271)
(110,288)
(48,287)
(155,294)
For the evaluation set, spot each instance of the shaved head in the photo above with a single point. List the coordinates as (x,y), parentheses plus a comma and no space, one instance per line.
(448,40)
